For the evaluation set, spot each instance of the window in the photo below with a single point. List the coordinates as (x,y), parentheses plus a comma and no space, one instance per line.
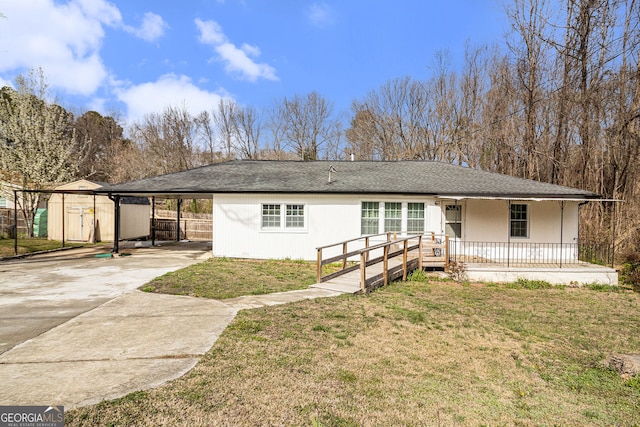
(393,216)
(3,202)
(282,216)
(453,221)
(519,221)
(370,218)
(270,216)
(295,216)
(415,218)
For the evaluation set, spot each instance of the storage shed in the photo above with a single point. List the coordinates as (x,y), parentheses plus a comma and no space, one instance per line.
(80,211)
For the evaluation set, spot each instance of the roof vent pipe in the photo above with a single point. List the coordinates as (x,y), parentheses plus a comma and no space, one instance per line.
(353,157)
(331,169)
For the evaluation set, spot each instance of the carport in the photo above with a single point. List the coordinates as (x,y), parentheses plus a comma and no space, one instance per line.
(117,198)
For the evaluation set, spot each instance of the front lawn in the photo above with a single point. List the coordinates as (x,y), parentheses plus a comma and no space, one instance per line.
(221,278)
(410,354)
(30,245)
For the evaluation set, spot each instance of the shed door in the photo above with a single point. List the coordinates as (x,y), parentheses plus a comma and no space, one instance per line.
(79,223)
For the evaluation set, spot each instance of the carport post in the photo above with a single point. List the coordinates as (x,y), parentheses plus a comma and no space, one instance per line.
(116,223)
(153,220)
(15,222)
(63,213)
(95,232)
(178,222)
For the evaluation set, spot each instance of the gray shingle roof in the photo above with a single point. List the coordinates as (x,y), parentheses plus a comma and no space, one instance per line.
(360,177)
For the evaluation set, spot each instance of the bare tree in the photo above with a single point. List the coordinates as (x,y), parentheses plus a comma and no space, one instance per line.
(246,127)
(168,141)
(223,118)
(307,124)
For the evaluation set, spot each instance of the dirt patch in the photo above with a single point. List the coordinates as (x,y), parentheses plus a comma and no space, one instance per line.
(627,365)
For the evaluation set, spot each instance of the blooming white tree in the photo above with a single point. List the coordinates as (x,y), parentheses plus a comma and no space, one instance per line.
(36,141)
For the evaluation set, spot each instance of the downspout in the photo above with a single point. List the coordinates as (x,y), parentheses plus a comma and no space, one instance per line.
(116,223)
(15,222)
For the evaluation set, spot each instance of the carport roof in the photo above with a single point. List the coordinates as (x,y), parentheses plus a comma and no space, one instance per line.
(347,177)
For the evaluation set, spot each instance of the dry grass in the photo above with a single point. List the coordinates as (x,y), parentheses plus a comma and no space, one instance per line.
(221,278)
(30,245)
(409,354)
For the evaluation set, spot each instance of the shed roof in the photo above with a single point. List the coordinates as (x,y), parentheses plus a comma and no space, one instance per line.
(348,177)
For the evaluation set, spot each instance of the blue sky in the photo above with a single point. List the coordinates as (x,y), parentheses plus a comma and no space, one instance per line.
(137,57)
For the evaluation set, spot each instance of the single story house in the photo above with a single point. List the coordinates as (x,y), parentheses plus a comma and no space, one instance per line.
(286,209)
(82,216)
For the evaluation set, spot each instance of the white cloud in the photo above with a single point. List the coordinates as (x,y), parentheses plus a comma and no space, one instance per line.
(251,50)
(63,39)
(320,15)
(168,90)
(152,28)
(237,60)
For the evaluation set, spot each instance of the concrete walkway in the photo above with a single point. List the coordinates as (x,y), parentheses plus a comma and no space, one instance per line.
(132,342)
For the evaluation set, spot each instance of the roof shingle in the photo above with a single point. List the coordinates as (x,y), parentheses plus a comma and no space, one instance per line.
(359,177)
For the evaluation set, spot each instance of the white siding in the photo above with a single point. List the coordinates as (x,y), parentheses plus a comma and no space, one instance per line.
(488,221)
(330,219)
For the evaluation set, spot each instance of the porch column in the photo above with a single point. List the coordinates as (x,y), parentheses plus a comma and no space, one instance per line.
(509,236)
(561,230)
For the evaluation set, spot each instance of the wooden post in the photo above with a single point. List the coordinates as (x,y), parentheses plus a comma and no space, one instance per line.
(420,252)
(366,245)
(385,265)
(344,251)
(404,261)
(446,253)
(363,273)
(319,266)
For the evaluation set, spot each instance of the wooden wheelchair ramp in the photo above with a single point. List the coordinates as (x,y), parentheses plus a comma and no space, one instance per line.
(371,263)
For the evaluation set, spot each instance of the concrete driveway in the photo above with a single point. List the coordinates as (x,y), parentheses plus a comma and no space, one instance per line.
(74,330)
(41,292)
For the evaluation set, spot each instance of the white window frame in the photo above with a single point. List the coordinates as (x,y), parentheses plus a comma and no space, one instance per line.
(417,220)
(376,218)
(456,221)
(387,228)
(274,213)
(404,215)
(526,220)
(285,217)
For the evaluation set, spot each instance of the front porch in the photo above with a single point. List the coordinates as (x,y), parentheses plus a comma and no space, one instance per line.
(390,256)
(556,263)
